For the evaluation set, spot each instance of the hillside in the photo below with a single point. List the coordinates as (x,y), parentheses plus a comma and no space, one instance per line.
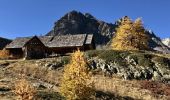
(118,75)
(3,42)
(76,22)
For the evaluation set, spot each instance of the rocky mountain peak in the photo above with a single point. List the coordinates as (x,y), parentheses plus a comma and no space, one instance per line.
(76,22)
(88,15)
(73,15)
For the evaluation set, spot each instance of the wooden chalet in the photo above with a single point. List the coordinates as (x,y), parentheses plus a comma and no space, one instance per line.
(43,46)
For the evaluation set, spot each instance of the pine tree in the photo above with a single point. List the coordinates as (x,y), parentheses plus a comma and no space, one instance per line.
(76,83)
(130,35)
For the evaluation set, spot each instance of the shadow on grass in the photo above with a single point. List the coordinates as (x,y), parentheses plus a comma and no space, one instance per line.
(46,95)
(42,95)
(110,96)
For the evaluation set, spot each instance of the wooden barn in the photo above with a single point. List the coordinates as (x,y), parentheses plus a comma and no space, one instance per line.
(43,46)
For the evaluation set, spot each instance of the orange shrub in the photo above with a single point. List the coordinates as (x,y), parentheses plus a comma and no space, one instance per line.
(4,54)
(24,90)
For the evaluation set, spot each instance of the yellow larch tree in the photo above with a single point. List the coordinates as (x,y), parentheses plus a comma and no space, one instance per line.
(130,35)
(76,83)
(121,39)
(141,38)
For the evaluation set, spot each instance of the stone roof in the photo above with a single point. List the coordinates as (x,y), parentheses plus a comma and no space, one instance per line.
(18,42)
(55,41)
(67,40)
(46,39)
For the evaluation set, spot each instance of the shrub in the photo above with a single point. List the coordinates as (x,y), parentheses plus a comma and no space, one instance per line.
(4,54)
(24,90)
(162,60)
(94,53)
(116,56)
(141,59)
(65,60)
(76,79)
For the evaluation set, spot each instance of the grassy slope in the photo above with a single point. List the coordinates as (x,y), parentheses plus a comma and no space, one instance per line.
(132,89)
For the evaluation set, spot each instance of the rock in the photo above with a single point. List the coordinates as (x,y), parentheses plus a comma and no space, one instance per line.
(76,22)
(166,42)
(133,71)
(156,76)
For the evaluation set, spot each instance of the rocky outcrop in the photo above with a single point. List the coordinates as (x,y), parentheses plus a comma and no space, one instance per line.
(4,42)
(139,67)
(166,42)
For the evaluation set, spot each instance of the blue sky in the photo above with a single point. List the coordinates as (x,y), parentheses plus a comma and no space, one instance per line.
(19,18)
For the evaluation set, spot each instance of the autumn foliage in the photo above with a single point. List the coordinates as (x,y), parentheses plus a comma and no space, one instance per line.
(76,83)
(24,90)
(130,35)
(4,54)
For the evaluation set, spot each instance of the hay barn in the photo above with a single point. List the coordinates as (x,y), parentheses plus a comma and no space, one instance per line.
(44,46)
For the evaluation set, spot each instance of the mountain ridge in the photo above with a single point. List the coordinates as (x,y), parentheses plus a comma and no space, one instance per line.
(4,42)
(75,22)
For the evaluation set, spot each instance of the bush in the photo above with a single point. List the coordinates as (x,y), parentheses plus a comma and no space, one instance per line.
(65,60)
(24,90)
(142,59)
(93,53)
(4,54)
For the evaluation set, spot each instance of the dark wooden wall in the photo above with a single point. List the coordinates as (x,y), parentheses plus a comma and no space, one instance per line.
(34,49)
(16,52)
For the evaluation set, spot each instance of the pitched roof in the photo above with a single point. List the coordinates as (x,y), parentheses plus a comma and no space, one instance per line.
(46,39)
(67,40)
(18,42)
(55,41)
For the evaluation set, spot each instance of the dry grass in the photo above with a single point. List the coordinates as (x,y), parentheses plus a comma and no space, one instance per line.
(146,90)
(121,87)
(30,69)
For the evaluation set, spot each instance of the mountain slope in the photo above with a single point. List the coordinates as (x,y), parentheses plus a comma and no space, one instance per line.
(4,42)
(77,23)
(156,43)
(166,42)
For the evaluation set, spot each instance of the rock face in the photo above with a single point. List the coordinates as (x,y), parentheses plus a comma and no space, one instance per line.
(133,66)
(77,23)
(166,42)
(156,43)
(4,42)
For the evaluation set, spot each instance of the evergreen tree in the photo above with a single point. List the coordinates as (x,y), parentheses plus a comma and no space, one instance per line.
(76,79)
